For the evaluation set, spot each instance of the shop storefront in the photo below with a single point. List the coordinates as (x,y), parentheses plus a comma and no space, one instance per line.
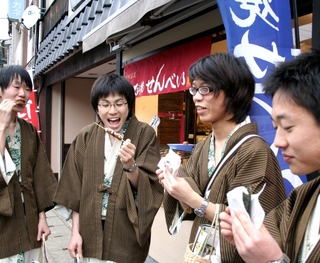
(75,45)
(165,74)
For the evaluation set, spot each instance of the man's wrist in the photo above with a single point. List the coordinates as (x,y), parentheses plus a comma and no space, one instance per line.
(200,212)
(283,259)
(131,169)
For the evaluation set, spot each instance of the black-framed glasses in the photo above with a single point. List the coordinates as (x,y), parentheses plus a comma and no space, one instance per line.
(203,90)
(117,105)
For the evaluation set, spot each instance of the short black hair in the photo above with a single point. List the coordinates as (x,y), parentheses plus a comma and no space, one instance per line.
(224,71)
(299,80)
(112,84)
(9,73)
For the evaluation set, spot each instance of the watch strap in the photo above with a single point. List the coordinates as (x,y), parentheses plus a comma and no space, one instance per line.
(283,259)
(202,209)
(131,169)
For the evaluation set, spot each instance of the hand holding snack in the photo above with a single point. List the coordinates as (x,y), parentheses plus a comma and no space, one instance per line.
(241,198)
(6,106)
(172,161)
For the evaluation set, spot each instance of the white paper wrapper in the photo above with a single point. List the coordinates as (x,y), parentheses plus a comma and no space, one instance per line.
(172,161)
(235,200)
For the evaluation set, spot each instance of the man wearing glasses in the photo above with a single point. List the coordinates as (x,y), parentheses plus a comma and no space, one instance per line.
(109,180)
(222,90)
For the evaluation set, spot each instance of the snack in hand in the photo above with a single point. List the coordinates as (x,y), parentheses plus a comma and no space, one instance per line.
(111,132)
(114,134)
(247,199)
(20,103)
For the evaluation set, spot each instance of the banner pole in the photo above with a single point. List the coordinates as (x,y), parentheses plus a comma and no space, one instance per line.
(296,23)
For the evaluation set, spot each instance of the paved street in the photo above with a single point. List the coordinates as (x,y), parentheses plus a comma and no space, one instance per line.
(59,239)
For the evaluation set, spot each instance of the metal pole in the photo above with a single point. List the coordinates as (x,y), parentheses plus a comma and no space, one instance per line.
(296,23)
(315,25)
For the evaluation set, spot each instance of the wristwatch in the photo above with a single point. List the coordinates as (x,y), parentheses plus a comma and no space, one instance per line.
(131,169)
(202,209)
(283,259)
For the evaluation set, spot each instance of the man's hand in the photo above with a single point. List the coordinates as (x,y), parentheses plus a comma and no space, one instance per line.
(126,153)
(226,226)
(43,228)
(254,245)
(75,245)
(6,107)
(179,189)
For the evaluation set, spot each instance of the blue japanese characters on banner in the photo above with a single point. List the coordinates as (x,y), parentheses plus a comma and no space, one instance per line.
(15,9)
(260,32)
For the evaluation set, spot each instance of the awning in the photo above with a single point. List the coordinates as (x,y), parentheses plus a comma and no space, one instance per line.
(122,19)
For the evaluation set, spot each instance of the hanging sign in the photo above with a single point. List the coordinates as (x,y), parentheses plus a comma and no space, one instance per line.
(167,71)
(30,112)
(15,9)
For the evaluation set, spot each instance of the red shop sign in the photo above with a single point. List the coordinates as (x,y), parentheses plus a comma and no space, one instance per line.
(30,111)
(166,71)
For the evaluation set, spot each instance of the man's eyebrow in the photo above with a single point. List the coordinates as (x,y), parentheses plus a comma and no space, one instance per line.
(105,100)
(16,81)
(280,117)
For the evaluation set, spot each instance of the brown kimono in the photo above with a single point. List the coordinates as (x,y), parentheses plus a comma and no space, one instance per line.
(127,228)
(19,229)
(253,164)
(288,222)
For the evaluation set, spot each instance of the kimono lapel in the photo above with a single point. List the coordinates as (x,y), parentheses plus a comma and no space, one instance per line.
(296,231)
(204,164)
(302,227)
(315,254)
(131,132)
(96,156)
